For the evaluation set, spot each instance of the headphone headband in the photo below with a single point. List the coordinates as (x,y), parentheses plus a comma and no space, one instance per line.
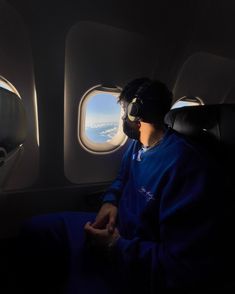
(142,88)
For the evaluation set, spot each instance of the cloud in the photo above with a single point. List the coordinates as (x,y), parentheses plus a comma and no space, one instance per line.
(107,132)
(96,125)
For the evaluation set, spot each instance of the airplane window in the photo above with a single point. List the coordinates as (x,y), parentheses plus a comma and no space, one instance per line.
(8,86)
(100,128)
(187,101)
(102,117)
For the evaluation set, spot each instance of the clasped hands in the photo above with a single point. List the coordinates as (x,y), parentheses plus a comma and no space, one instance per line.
(103,233)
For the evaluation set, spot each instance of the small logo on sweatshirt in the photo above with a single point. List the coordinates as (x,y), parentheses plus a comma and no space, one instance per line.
(147,194)
(138,156)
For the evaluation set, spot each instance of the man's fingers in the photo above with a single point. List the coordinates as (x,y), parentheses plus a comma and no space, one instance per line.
(87,224)
(97,223)
(100,221)
(93,231)
(89,228)
(112,221)
(111,225)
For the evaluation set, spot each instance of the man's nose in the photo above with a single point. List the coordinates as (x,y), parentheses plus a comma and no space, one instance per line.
(124,116)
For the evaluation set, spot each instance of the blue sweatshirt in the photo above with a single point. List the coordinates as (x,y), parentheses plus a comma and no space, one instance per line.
(168,199)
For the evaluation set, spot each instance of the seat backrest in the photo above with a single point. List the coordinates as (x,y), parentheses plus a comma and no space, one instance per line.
(13,131)
(217,121)
(214,125)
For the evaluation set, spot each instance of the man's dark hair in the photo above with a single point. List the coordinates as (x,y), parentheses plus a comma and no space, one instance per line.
(154,91)
(131,89)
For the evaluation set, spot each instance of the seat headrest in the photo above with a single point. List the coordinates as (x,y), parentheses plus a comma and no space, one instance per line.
(217,121)
(206,75)
(13,123)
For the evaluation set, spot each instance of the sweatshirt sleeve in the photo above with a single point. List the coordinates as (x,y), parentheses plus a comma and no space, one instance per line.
(187,253)
(114,192)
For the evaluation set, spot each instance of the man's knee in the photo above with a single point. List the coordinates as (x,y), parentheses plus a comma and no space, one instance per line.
(43,225)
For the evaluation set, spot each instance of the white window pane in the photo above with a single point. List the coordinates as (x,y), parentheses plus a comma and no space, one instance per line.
(8,86)
(5,86)
(184,102)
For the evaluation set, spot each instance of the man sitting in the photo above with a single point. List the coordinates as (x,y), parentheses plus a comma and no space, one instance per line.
(159,226)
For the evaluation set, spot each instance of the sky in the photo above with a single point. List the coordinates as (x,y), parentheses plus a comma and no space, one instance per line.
(102,108)
(183,103)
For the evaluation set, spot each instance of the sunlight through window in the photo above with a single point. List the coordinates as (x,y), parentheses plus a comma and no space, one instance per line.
(187,101)
(100,121)
(102,117)
(8,86)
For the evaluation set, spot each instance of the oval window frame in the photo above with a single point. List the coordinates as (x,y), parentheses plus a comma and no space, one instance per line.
(98,148)
(190,99)
(5,84)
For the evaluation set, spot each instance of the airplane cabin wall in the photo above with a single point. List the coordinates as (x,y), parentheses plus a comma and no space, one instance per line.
(175,32)
(210,50)
(98,54)
(16,66)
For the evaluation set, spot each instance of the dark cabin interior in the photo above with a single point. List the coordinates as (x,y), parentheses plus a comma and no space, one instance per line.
(192,52)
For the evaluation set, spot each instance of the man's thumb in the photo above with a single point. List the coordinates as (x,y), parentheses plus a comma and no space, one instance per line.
(111,225)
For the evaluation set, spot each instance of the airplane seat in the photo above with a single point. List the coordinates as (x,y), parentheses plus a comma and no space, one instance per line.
(13,132)
(214,126)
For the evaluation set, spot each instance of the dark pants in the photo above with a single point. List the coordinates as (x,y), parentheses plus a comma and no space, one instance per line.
(52,257)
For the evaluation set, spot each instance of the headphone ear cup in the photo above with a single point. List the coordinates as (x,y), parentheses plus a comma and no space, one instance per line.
(133,111)
(135,108)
